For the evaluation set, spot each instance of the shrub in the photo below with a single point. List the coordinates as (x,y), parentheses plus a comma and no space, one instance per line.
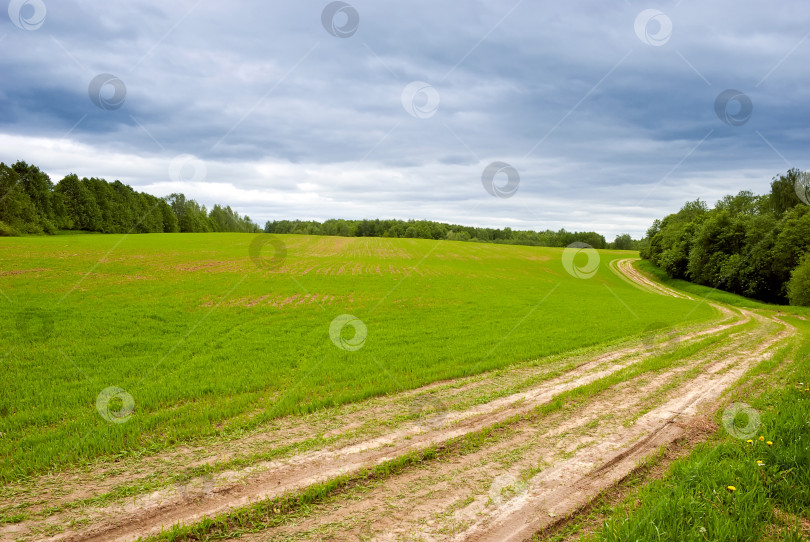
(799,284)
(7,231)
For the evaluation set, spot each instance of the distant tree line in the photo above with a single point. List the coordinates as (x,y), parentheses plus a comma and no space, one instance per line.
(31,204)
(428,229)
(753,245)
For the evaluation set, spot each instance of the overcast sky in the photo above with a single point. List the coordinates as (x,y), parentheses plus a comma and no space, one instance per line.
(601,115)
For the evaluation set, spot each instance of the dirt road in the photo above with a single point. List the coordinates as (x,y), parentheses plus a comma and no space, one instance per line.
(540,464)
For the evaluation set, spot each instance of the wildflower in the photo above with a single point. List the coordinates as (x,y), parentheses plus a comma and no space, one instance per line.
(760,463)
(761,438)
(732,488)
(749,441)
(769,443)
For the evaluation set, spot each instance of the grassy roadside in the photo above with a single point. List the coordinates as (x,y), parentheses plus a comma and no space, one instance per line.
(294,506)
(501,386)
(693,502)
(270,513)
(751,481)
(713,294)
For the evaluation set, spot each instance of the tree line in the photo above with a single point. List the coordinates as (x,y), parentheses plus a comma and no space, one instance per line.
(428,229)
(31,204)
(753,245)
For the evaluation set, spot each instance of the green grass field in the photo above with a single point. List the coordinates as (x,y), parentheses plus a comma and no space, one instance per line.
(206,339)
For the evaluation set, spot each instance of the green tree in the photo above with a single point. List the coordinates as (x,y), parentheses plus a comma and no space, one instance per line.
(18,214)
(745,202)
(623,242)
(81,208)
(792,240)
(169,218)
(39,188)
(783,192)
(799,285)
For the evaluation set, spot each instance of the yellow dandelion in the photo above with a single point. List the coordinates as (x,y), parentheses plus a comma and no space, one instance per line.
(769,443)
(732,488)
(761,439)
(760,463)
(749,441)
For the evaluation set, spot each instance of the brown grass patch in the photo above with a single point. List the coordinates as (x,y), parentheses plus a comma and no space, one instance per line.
(14,272)
(278,301)
(210,266)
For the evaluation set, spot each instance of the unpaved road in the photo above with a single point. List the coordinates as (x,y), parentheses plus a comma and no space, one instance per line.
(624,268)
(539,469)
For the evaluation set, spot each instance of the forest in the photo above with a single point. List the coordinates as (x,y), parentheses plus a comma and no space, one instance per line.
(428,229)
(31,204)
(752,245)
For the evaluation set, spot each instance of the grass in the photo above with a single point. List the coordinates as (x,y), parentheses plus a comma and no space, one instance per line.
(732,489)
(298,504)
(206,342)
(713,294)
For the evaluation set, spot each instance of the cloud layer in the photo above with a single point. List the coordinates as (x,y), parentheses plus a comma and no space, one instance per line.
(315,110)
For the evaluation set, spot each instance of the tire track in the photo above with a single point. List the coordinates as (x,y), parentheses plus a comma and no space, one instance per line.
(275,478)
(297,473)
(552,495)
(624,268)
(570,481)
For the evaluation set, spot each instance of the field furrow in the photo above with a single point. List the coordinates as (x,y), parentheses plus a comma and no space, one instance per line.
(542,468)
(564,431)
(487,431)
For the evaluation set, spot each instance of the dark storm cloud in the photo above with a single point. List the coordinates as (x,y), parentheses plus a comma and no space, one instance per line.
(607,132)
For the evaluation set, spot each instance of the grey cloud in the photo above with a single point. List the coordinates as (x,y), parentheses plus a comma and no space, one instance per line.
(246,86)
